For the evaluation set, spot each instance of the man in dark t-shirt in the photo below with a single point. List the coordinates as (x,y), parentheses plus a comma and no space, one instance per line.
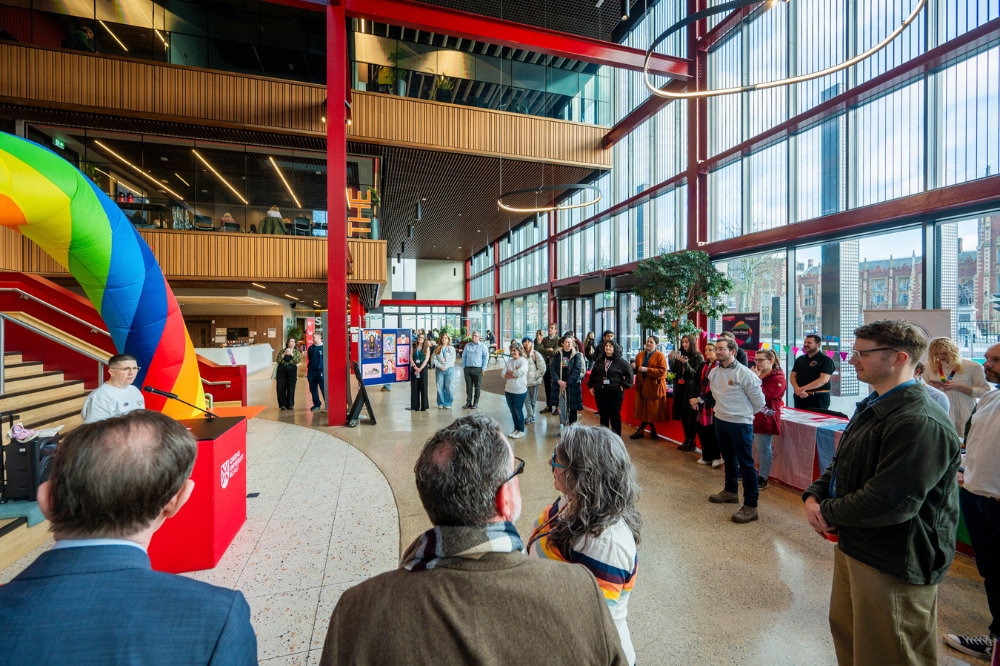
(810,376)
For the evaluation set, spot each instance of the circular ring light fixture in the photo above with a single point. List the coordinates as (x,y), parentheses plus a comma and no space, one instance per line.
(737,4)
(547,188)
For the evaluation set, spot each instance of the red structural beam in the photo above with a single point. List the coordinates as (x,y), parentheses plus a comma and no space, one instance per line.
(724,27)
(641,114)
(441,20)
(913,69)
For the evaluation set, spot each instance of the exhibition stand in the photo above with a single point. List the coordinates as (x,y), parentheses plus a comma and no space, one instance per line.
(199,534)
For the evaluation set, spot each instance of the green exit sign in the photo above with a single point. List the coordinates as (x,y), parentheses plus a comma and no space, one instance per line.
(59,143)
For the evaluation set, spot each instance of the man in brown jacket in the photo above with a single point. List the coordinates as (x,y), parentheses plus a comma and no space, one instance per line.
(464,592)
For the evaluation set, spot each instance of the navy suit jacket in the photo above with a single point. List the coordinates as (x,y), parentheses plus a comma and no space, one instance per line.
(105,605)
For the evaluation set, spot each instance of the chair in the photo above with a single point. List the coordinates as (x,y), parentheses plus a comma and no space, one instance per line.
(203,223)
(497,355)
(301,226)
(233,227)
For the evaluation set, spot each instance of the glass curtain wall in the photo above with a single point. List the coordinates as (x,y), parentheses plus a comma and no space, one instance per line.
(969,262)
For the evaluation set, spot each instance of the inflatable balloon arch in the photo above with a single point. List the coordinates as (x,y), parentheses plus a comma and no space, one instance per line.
(48,200)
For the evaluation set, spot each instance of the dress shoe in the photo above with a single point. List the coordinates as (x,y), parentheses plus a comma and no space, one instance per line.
(638,434)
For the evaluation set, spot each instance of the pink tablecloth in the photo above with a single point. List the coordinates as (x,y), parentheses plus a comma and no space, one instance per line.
(795,455)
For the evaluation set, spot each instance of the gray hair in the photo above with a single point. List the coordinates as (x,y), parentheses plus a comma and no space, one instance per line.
(517,347)
(112,478)
(601,483)
(460,470)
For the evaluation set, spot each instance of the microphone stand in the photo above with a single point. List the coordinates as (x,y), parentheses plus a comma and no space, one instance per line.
(154,391)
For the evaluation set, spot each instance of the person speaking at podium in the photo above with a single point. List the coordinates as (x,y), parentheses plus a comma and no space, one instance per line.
(116,396)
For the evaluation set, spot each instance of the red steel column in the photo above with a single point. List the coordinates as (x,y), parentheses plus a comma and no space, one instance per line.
(336,179)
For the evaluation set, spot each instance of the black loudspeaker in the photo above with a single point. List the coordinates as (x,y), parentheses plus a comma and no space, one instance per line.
(27,467)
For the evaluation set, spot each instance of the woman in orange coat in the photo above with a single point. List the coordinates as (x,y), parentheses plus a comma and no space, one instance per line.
(651,407)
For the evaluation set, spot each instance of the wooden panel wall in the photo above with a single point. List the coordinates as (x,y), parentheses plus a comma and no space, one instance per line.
(369,261)
(403,121)
(193,254)
(70,79)
(259,323)
(147,89)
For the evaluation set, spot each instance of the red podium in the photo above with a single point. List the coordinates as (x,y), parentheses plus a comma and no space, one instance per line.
(199,534)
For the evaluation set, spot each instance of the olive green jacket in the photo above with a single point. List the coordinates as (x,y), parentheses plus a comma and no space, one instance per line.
(894,494)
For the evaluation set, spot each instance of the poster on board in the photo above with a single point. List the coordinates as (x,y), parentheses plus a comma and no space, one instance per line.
(385,355)
(745,327)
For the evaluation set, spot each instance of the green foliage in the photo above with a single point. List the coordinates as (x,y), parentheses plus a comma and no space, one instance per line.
(296,332)
(673,286)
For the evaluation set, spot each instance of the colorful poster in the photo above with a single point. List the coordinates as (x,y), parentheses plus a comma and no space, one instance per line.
(384,354)
(745,327)
(372,347)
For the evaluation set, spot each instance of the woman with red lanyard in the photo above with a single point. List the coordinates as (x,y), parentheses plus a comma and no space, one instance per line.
(772,383)
(705,413)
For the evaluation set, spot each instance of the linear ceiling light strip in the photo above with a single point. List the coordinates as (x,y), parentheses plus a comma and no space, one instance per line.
(218,175)
(736,4)
(287,186)
(140,171)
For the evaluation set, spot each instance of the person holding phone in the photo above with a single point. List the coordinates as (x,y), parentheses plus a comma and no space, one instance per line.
(288,374)
(683,363)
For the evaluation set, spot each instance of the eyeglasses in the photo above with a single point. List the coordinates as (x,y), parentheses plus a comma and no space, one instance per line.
(130,369)
(517,470)
(863,353)
(553,464)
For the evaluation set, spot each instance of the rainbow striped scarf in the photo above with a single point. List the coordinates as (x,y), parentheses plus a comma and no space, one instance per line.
(444,545)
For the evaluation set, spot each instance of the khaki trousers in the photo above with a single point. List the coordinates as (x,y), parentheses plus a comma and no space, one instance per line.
(879,620)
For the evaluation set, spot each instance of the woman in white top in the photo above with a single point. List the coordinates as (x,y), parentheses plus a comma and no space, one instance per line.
(594,522)
(536,374)
(515,371)
(443,360)
(964,381)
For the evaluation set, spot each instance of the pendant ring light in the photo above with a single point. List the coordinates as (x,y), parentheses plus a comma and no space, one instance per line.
(547,188)
(737,4)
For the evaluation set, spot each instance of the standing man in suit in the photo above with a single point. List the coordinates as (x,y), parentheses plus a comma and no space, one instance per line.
(93,598)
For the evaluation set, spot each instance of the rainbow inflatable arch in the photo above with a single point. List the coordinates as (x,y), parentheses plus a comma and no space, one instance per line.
(46,199)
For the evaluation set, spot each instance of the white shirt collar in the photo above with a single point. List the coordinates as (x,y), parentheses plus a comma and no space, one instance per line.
(81,543)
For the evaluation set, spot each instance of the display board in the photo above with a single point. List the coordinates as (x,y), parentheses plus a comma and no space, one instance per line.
(385,355)
(745,327)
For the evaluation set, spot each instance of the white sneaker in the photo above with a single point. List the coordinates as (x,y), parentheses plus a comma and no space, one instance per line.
(517,434)
(702,461)
(717,463)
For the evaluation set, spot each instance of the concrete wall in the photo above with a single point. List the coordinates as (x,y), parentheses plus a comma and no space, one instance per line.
(440,280)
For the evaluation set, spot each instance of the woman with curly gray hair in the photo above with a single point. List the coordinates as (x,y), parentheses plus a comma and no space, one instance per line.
(594,521)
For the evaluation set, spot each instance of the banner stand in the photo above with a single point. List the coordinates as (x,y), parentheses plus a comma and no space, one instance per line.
(360,400)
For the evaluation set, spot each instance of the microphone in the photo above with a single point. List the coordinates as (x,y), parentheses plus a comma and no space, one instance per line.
(150,389)
(172,396)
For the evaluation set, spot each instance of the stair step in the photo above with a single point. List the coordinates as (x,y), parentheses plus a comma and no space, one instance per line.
(67,419)
(8,525)
(15,370)
(41,412)
(21,540)
(40,380)
(11,357)
(29,398)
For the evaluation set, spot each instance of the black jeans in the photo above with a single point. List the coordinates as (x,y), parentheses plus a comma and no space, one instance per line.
(609,408)
(316,387)
(418,390)
(736,442)
(288,375)
(813,401)
(473,385)
(982,517)
(689,423)
(547,385)
(709,442)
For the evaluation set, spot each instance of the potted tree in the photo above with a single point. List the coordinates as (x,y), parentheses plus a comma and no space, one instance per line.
(674,286)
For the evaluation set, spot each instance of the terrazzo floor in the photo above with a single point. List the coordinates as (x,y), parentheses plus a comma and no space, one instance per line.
(338,505)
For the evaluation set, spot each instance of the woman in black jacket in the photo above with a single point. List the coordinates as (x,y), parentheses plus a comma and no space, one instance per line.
(685,364)
(609,378)
(567,370)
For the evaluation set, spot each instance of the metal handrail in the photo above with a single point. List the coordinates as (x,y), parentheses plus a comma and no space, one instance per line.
(27,296)
(4,319)
(208,383)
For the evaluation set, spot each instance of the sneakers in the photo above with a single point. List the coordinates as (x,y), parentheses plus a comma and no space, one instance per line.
(702,461)
(467,406)
(977,646)
(725,497)
(529,420)
(761,483)
(476,406)
(517,434)
(314,408)
(717,463)
(745,514)
(22,434)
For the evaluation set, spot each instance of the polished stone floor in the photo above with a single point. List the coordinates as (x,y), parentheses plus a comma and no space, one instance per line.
(709,592)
